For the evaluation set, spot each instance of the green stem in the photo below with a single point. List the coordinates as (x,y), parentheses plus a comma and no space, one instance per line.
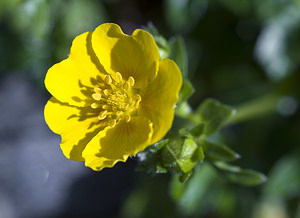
(246,111)
(255,108)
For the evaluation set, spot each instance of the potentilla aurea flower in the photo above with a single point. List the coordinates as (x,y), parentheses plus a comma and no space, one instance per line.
(112,97)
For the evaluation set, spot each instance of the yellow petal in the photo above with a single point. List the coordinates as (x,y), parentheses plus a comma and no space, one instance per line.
(135,55)
(72,80)
(117,143)
(76,125)
(160,97)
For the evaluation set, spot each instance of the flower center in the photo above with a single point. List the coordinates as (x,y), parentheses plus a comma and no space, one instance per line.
(115,99)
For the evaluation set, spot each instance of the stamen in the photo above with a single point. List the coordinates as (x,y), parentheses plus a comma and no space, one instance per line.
(106,107)
(119,113)
(119,77)
(115,100)
(97,90)
(94,105)
(127,118)
(102,115)
(126,86)
(131,81)
(138,100)
(108,79)
(138,97)
(107,92)
(112,123)
(96,96)
(126,107)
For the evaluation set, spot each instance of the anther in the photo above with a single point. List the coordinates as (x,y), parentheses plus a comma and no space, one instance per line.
(127,118)
(126,86)
(119,77)
(94,105)
(106,92)
(138,100)
(108,79)
(102,115)
(112,123)
(97,90)
(119,113)
(96,96)
(106,107)
(138,97)
(131,81)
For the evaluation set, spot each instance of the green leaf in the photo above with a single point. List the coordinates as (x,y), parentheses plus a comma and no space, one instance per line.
(197,130)
(159,145)
(181,16)
(177,188)
(198,190)
(192,133)
(284,171)
(215,151)
(151,28)
(227,167)
(241,176)
(213,113)
(240,7)
(178,53)
(199,154)
(184,132)
(161,42)
(160,169)
(149,159)
(247,177)
(185,176)
(186,91)
(163,46)
(183,109)
(177,155)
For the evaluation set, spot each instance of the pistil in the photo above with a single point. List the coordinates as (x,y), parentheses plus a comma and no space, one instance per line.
(115,99)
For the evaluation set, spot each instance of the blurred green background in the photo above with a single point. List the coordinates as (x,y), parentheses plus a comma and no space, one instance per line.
(237,51)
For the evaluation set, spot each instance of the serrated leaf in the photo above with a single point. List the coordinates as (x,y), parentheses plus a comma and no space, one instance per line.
(186,91)
(218,152)
(199,154)
(213,113)
(197,130)
(184,132)
(177,155)
(159,145)
(178,53)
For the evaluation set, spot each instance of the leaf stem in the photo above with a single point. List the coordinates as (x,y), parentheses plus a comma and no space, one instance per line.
(255,108)
(250,110)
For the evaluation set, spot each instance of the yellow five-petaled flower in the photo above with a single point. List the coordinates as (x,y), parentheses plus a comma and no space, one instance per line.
(112,97)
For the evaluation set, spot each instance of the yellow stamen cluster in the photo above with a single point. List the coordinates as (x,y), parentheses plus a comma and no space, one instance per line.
(115,99)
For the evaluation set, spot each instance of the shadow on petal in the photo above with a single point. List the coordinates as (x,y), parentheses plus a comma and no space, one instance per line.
(118,143)
(76,125)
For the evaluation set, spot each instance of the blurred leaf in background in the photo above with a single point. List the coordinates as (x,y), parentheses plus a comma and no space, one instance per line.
(45,30)
(244,53)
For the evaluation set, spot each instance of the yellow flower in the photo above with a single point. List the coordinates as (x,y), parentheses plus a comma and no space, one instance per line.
(112,97)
